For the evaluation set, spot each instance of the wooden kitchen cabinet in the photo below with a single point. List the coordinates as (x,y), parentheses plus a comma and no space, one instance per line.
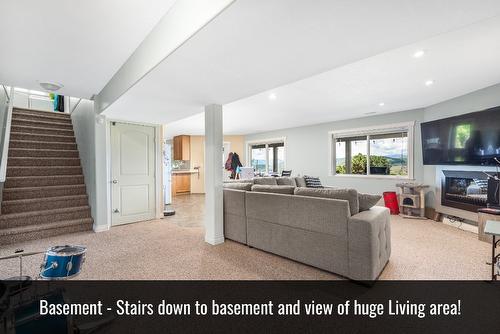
(182,146)
(181,183)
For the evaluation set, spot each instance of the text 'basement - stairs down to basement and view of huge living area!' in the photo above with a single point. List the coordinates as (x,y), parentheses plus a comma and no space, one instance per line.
(44,193)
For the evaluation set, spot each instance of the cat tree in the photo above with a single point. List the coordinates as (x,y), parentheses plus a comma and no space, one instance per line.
(411,199)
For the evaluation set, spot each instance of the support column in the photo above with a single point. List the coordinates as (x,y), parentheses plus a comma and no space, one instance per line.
(214,230)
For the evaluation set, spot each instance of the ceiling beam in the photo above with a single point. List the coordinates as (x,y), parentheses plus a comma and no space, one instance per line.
(182,21)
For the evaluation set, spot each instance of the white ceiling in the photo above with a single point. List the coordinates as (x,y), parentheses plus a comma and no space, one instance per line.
(255,46)
(80,44)
(459,62)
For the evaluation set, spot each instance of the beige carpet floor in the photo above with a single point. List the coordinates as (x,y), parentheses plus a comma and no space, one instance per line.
(173,248)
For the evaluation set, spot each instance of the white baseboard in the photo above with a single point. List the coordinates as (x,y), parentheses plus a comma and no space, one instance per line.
(99,228)
(461,226)
(215,241)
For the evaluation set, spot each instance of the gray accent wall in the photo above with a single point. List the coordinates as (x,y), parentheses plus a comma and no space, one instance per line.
(307,147)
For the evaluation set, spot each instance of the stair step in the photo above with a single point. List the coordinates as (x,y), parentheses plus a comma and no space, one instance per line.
(41,130)
(40,112)
(11,194)
(42,137)
(41,124)
(38,161)
(28,152)
(41,217)
(42,181)
(44,170)
(44,117)
(40,204)
(32,232)
(41,145)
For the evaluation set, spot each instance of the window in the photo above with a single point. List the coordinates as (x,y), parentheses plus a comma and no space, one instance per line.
(268,157)
(382,151)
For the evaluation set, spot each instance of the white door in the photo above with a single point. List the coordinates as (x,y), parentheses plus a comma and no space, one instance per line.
(132,173)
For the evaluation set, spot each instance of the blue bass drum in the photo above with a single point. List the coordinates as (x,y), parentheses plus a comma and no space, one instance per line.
(62,262)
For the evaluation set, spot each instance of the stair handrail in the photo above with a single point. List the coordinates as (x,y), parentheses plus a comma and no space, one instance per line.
(6,137)
(6,93)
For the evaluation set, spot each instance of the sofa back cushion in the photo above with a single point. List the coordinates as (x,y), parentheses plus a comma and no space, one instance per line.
(288,190)
(300,182)
(366,201)
(350,195)
(286,181)
(238,181)
(238,186)
(270,181)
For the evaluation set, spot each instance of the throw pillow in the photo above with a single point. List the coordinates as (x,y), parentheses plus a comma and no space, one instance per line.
(286,181)
(483,184)
(366,201)
(312,182)
(270,181)
(288,190)
(350,195)
(300,182)
(238,186)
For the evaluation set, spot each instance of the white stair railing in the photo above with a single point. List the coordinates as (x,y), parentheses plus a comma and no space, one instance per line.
(5,136)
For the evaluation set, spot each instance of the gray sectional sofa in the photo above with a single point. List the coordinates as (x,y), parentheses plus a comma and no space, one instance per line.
(320,227)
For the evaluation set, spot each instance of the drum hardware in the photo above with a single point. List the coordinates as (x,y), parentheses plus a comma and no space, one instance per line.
(62,262)
(19,253)
(19,309)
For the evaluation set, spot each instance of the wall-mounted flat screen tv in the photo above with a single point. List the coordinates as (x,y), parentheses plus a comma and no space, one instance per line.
(469,139)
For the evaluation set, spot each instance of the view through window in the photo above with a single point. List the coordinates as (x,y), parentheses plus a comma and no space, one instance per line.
(268,158)
(384,152)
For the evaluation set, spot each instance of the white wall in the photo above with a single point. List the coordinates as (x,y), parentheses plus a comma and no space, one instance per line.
(102,217)
(83,119)
(307,148)
(91,139)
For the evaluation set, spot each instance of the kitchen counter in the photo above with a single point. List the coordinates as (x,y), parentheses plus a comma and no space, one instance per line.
(184,171)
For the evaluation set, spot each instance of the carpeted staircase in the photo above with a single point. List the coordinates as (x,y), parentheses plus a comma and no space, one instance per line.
(44,193)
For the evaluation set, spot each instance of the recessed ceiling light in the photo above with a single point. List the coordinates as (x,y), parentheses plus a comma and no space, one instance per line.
(272,96)
(429,83)
(418,54)
(51,86)
(381,104)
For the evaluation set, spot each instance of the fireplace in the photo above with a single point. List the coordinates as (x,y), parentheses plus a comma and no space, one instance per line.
(466,190)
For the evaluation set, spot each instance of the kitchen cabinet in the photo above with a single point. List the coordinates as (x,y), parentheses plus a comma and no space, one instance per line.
(182,147)
(181,183)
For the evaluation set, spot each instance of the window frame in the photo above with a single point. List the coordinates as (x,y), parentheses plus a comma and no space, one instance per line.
(333,135)
(267,143)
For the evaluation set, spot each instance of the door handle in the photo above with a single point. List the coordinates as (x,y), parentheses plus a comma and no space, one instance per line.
(116,211)
(115,181)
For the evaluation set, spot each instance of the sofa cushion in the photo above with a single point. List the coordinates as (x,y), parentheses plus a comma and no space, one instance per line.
(312,182)
(266,180)
(300,182)
(288,190)
(238,181)
(286,181)
(366,201)
(350,195)
(238,186)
